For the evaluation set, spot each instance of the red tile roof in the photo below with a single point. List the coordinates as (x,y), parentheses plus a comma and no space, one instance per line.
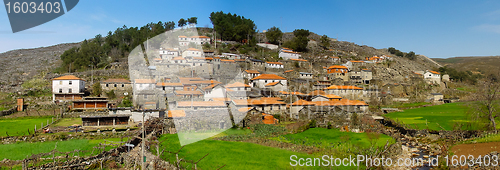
(343,87)
(288,71)
(68,77)
(268,77)
(298,59)
(337,67)
(272,84)
(433,72)
(252,71)
(279,63)
(237,84)
(169,84)
(192,49)
(176,113)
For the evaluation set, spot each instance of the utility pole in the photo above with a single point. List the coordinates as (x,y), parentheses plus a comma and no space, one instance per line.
(143,143)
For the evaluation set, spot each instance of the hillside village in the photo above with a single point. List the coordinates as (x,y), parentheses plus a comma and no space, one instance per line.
(191,82)
(291,87)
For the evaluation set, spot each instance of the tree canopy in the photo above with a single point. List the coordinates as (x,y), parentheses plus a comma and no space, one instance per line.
(299,42)
(233,27)
(100,51)
(325,41)
(182,22)
(274,35)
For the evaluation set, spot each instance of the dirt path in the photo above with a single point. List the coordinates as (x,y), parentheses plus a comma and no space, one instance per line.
(476,149)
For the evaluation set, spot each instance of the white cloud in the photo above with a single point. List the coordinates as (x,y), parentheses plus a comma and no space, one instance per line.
(493,28)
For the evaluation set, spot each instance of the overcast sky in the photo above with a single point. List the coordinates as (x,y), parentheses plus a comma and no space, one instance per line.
(437,29)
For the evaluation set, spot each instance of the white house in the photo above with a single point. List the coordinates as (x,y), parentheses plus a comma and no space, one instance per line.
(432,77)
(304,75)
(274,65)
(349,92)
(231,56)
(199,40)
(168,54)
(237,86)
(214,91)
(190,53)
(250,74)
(287,54)
(67,87)
(264,79)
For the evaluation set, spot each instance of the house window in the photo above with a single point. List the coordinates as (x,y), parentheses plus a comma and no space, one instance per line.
(145,96)
(106,85)
(70,82)
(70,91)
(123,85)
(60,90)
(115,85)
(60,82)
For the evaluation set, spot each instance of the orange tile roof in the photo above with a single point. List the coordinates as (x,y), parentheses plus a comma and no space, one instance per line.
(192,49)
(229,89)
(225,99)
(169,84)
(288,71)
(229,61)
(145,81)
(178,58)
(149,102)
(331,96)
(237,84)
(334,57)
(182,36)
(184,92)
(269,119)
(417,73)
(201,104)
(199,36)
(337,67)
(272,84)
(252,71)
(268,77)
(116,81)
(302,103)
(271,98)
(210,86)
(293,52)
(343,87)
(354,61)
(433,72)
(256,102)
(298,59)
(199,58)
(209,58)
(245,109)
(68,77)
(176,113)
(291,93)
(279,63)
(157,59)
(342,102)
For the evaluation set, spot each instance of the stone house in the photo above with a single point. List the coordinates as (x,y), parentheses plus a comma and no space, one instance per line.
(67,87)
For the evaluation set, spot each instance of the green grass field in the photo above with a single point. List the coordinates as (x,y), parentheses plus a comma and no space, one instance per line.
(407,105)
(432,117)
(19,151)
(65,122)
(20,126)
(234,155)
(326,138)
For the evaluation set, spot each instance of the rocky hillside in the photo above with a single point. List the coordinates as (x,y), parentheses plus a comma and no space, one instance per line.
(485,65)
(20,65)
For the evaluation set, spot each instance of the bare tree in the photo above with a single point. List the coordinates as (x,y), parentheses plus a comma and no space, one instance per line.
(487,97)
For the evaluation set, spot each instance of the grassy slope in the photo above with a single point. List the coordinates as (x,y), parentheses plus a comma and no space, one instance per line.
(20,126)
(65,122)
(440,115)
(19,151)
(334,137)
